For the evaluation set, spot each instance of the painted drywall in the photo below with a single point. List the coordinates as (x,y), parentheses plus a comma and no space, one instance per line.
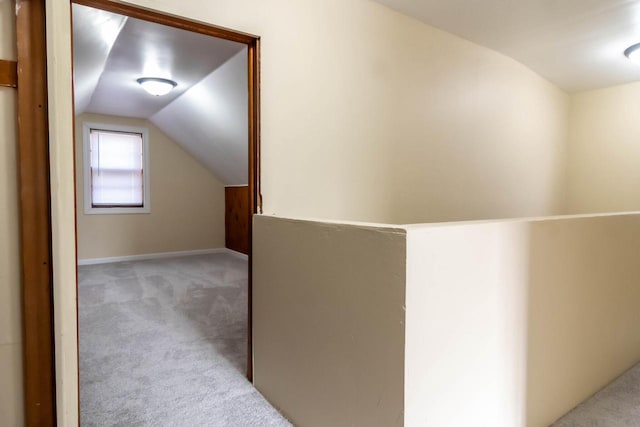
(576,44)
(187,203)
(366,114)
(466,326)
(603,165)
(210,121)
(11,403)
(583,309)
(11,393)
(91,50)
(521,320)
(370,115)
(206,113)
(329,321)
(63,222)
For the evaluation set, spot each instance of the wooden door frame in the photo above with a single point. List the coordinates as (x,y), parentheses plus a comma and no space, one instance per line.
(35,187)
(35,215)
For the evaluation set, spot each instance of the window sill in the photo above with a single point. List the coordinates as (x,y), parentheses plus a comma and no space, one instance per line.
(116,211)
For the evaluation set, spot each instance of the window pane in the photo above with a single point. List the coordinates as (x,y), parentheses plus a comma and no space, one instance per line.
(117,188)
(116,168)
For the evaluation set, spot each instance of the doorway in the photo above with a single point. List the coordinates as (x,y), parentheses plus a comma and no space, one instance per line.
(38,328)
(161,140)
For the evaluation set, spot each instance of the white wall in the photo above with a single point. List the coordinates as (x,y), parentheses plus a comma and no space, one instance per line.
(187,203)
(604,151)
(11,393)
(466,325)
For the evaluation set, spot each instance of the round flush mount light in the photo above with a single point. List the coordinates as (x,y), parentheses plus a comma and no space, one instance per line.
(156,86)
(633,53)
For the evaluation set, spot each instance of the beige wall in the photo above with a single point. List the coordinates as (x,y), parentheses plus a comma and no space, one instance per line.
(406,123)
(521,320)
(63,221)
(583,312)
(11,410)
(329,321)
(604,153)
(187,203)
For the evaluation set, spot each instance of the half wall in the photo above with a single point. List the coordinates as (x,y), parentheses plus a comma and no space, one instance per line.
(501,323)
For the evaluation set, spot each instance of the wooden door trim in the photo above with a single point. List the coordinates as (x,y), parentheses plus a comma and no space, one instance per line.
(8,73)
(170,20)
(255,196)
(35,187)
(35,215)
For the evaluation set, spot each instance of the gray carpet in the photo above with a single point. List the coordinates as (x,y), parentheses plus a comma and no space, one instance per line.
(617,405)
(163,343)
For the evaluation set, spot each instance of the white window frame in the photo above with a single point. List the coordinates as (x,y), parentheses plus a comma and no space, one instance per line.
(88,208)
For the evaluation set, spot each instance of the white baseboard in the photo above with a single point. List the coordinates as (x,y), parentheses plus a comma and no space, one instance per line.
(237,254)
(142,257)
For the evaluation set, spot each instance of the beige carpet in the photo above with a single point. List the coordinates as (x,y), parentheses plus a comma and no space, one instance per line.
(163,343)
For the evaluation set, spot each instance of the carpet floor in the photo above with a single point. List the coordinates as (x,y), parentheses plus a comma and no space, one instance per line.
(617,405)
(163,343)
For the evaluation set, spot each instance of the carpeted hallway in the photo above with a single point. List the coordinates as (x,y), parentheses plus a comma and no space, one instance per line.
(163,343)
(616,405)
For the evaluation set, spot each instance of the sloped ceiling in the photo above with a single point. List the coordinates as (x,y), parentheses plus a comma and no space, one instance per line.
(207,111)
(576,44)
(99,30)
(196,115)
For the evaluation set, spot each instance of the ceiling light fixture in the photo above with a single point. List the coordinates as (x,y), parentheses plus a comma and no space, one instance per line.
(633,53)
(156,86)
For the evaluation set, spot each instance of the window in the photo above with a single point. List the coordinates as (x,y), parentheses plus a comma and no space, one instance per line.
(116,169)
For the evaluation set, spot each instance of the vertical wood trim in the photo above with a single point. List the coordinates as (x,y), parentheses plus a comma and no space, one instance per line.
(254,123)
(8,73)
(255,201)
(35,205)
(236,218)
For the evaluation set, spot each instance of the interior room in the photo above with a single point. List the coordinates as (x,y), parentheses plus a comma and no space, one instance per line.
(448,221)
(162,225)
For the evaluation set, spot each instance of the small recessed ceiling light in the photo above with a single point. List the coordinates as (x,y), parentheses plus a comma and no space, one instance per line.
(156,86)
(633,53)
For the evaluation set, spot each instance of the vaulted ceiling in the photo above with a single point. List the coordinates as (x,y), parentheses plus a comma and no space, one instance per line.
(576,44)
(206,113)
